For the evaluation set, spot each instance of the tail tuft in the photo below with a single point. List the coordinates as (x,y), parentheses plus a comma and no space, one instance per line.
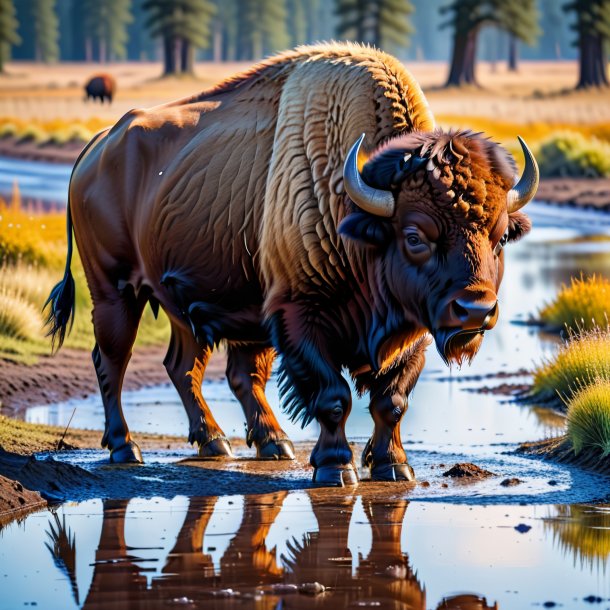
(61,310)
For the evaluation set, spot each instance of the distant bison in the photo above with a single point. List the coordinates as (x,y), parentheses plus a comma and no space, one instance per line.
(101,86)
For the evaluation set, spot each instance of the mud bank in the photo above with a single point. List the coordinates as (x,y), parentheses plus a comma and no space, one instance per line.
(70,374)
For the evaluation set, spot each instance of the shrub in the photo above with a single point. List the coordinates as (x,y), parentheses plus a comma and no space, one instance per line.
(33,133)
(8,130)
(573,154)
(582,359)
(589,418)
(583,305)
(19,319)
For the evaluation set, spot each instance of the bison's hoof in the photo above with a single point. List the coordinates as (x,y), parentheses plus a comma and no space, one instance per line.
(126,454)
(392,472)
(335,476)
(216,448)
(281,449)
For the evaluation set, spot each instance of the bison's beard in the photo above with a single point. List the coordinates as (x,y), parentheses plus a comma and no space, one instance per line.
(458,346)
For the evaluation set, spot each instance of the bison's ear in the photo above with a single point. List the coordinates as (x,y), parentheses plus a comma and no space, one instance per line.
(519,225)
(366,228)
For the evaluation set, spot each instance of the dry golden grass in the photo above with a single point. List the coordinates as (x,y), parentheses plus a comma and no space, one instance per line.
(583,305)
(578,362)
(589,418)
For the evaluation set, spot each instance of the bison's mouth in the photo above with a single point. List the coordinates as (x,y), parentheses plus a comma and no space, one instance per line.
(457,345)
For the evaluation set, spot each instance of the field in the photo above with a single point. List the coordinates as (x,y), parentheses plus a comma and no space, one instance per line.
(535,101)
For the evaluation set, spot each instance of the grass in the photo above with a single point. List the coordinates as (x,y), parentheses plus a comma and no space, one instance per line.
(589,418)
(54,131)
(583,305)
(579,361)
(32,257)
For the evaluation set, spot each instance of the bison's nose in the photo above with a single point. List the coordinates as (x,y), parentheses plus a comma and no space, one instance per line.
(475,314)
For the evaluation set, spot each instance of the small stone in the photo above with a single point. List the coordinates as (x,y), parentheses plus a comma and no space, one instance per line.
(511,482)
(522,528)
(593,599)
(549,604)
(284,588)
(552,482)
(425,484)
(311,588)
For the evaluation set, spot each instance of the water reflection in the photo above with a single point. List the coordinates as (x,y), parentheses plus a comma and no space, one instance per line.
(584,533)
(369,549)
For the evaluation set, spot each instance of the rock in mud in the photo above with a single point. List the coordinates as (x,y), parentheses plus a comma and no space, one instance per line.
(311,588)
(469,471)
(511,482)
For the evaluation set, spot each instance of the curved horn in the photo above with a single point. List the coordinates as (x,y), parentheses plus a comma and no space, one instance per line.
(374,201)
(523,192)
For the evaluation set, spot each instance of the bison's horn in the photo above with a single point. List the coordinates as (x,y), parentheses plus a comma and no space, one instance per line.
(372,200)
(523,192)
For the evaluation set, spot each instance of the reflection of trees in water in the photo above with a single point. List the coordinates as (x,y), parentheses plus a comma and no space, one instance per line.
(384,577)
(583,532)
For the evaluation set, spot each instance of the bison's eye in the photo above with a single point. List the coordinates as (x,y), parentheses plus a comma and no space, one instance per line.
(501,244)
(417,246)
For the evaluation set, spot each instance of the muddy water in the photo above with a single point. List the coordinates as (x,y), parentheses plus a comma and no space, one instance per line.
(366,549)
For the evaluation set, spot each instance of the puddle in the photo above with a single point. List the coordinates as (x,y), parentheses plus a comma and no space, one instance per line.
(368,549)
(442,414)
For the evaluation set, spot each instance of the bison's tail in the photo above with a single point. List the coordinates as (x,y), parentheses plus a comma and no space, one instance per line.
(60,303)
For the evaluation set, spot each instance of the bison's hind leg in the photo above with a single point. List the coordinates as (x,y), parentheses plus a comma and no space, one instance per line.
(185,363)
(248,370)
(116,316)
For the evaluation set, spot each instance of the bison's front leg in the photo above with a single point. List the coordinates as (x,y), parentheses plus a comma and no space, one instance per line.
(384,453)
(313,388)
(248,370)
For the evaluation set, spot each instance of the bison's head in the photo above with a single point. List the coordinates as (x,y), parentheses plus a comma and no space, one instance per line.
(438,208)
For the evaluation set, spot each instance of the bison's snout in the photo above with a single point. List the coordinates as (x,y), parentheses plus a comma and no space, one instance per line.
(474,315)
(462,321)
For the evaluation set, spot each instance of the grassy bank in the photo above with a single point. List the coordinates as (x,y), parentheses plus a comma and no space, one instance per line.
(32,257)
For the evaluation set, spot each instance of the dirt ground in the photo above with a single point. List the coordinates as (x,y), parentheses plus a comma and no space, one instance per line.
(70,374)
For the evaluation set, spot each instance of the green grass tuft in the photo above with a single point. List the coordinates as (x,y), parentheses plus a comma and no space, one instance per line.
(589,418)
(583,305)
(572,154)
(582,359)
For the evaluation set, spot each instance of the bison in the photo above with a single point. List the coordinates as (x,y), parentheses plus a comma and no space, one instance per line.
(308,208)
(102,87)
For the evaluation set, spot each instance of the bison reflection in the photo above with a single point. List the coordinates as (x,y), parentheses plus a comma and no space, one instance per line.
(251,571)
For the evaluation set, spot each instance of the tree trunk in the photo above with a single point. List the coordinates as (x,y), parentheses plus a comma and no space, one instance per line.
(102,50)
(169,56)
(592,62)
(88,49)
(513,53)
(187,57)
(462,71)
(218,42)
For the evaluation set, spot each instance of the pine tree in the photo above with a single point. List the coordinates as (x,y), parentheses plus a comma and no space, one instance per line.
(184,26)
(593,35)
(382,23)
(262,28)
(468,17)
(106,24)
(297,21)
(8,31)
(46,30)
(520,19)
